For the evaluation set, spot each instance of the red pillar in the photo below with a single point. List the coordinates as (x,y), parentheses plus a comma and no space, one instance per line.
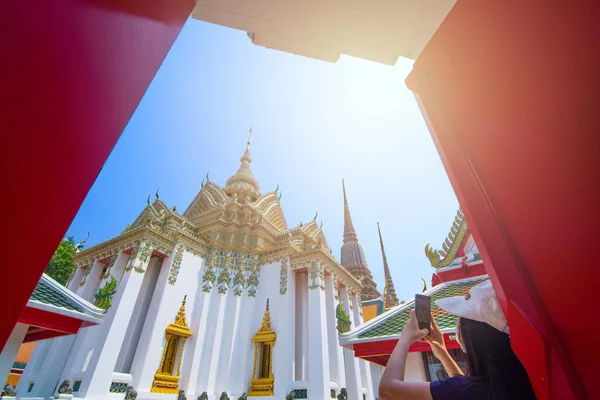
(510,92)
(73,72)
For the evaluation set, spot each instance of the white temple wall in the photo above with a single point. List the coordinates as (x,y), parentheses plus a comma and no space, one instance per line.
(214,351)
(281,308)
(376,374)
(415,370)
(198,320)
(83,346)
(173,283)
(45,366)
(243,349)
(283,322)
(138,317)
(97,379)
(206,359)
(365,370)
(224,354)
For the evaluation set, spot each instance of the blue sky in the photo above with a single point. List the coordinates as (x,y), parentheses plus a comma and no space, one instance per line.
(314,123)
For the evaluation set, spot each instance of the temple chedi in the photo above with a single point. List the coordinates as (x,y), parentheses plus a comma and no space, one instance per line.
(223,298)
(389,293)
(353,257)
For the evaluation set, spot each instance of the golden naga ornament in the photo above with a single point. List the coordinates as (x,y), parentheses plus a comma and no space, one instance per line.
(166,379)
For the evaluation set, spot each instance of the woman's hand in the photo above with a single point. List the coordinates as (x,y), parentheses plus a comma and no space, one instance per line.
(435,338)
(411,332)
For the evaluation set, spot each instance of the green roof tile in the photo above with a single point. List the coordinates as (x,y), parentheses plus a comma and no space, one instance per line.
(45,293)
(394,324)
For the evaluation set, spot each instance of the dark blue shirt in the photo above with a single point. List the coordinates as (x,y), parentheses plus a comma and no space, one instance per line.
(459,388)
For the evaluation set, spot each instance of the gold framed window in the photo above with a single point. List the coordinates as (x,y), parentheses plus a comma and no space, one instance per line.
(166,379)
(262,380)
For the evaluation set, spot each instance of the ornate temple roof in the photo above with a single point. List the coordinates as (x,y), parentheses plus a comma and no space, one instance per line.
(390,324)
(352,256)
(51,296)
(389,292)
(242,185)
(235,217)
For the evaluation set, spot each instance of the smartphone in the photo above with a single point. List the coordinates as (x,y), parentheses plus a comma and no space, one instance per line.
(423,311)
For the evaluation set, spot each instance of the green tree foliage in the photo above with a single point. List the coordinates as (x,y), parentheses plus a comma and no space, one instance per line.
(60,266)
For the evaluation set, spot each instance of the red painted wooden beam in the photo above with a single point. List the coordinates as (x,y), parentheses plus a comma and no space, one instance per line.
(74,72)
(42,335)
(510,94)
(384,348)
(47,320)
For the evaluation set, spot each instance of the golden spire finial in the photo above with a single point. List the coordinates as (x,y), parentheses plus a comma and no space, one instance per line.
(249,136)
(180,317)
(266,322)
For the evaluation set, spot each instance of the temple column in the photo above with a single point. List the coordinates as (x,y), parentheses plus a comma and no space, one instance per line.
(301,356)
(85,339)
(318,352)
(45,367)
(73,283)
(89,283)
(376,374)
(365,370)
(283,322)
(180,275)
(106,349)
(351,363)
(10,350)
(336,363)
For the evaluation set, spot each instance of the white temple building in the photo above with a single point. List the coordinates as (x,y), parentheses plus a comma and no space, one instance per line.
(221,298)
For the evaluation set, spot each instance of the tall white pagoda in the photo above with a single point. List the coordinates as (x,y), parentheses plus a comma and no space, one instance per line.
(222,298)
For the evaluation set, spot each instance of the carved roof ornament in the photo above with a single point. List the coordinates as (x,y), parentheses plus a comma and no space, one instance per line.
(79,246)
(156,195)
(451,246)
(344,324)
(389,292)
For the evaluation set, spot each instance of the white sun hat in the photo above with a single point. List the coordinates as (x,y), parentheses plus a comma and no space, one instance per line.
(481,304)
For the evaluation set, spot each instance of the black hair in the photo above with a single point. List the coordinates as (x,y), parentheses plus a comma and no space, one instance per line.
(492,360)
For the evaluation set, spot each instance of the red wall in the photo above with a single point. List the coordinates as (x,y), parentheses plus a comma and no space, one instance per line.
(72,74)
(510,91)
